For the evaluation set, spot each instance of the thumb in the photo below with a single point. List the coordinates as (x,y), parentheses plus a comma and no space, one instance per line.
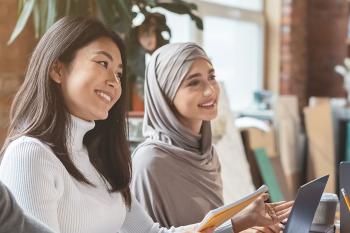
(265,196)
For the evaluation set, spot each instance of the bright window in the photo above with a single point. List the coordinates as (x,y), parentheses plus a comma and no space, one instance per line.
(233,37)
(236,57)
(256,5)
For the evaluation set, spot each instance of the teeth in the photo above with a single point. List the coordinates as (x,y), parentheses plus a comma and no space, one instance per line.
(207,104)
(103,95)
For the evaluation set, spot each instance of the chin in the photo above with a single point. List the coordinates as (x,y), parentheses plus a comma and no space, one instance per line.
(207,118)
(101,116)
(210,116)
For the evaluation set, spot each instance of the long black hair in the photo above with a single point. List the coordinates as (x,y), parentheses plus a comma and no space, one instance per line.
(39,111)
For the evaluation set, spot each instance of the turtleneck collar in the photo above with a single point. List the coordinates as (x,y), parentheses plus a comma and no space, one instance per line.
(79,128)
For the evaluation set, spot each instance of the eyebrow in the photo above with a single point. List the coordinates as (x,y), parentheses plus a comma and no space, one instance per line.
(198,74)
(106,54)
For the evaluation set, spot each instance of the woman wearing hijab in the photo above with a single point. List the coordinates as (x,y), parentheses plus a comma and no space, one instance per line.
(176,171)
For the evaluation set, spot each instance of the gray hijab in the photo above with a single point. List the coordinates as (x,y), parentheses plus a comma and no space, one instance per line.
(176,173)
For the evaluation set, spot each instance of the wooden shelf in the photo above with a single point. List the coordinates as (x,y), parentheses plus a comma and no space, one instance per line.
(135,114)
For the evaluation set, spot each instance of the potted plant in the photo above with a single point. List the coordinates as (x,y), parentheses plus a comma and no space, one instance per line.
(119,16)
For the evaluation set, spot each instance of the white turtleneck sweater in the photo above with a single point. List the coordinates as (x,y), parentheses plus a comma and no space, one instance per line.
(43,188)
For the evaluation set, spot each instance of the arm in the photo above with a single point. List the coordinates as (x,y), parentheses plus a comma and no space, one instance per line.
(12,218)
(262,214)
(29,171)
(137,221)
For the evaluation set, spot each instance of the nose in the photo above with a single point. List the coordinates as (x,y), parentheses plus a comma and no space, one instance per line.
(114,82)
(209,90)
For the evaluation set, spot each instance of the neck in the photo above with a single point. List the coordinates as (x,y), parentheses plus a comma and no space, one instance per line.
(79,128)
(194,125)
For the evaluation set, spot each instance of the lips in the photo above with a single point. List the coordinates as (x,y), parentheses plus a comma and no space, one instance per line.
(208,104)
(105,96)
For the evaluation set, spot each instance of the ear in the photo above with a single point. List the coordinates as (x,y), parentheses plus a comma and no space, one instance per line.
(56,71)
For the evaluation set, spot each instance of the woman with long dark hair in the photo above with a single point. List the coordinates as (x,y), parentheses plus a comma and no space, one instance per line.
(66,157)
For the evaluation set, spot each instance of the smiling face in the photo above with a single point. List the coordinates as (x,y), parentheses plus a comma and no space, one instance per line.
(197,96)
(90,84)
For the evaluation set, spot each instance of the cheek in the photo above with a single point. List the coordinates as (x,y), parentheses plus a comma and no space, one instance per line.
(217,90)
(78,88)
(186,104)
(119,94)
(185,108)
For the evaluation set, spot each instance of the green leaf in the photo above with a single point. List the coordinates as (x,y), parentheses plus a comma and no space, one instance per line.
(151,3)
(124,10)
(197,20)
(51,13)
(178,8)
(68,7)
(190,5)
(22,19)
(20,6)
(36,20)
(123,6)
(183,8)
(43,15)
(107,11)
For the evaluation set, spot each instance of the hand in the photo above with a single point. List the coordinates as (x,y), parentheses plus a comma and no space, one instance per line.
(266,214)
(262,214)
(193,229)
(208,230)
(277,228)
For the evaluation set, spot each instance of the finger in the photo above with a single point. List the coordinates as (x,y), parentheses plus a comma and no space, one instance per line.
(281,226)
(210,230)
(284,216)
(274,204)
(274,228)
(268,220)
(264,196)
(279,213)
(207,230)
(257,229)
(270,210)
(284,206)
(284,221)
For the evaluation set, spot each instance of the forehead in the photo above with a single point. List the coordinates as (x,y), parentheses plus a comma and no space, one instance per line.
(199,64)
(103,44)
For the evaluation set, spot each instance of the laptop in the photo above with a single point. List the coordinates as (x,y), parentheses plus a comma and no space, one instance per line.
(344,182)
(305,205)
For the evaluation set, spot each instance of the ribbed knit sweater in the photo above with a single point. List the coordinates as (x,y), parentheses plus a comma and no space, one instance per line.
(44,189)
(12,218)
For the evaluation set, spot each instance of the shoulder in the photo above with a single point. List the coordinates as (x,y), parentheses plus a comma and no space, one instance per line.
(148,154)
(26,142)
(149,158)
(25,151)
(29,166)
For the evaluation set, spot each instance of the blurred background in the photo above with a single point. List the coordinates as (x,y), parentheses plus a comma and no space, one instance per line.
(281,63)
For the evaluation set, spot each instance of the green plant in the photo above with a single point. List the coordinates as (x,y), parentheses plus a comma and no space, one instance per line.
(118,15)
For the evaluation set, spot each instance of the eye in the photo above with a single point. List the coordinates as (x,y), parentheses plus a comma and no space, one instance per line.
(118,76)
(212,77)
(193,83)
(103,63)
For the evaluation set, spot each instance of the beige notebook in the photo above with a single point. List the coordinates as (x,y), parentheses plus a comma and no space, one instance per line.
(218,216)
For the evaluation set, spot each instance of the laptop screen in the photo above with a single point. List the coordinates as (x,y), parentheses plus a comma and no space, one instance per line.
(305,205)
